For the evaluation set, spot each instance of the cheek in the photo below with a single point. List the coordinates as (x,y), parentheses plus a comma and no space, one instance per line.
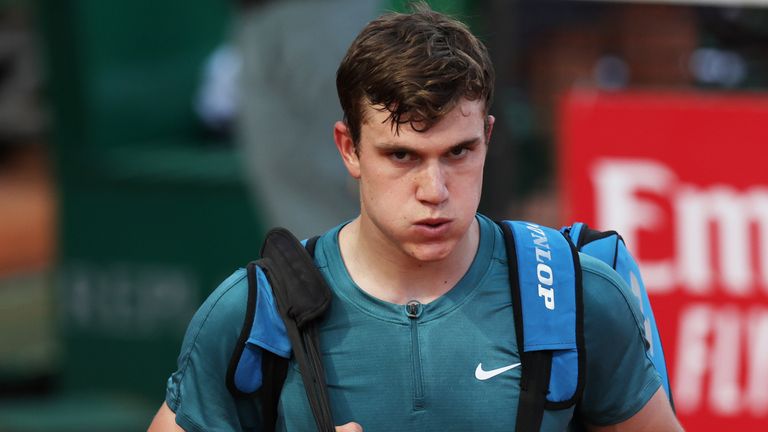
(470,180)
(379,191)
(385,182)
(479,181)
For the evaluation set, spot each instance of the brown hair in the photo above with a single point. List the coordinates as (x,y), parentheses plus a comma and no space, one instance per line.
(417,66)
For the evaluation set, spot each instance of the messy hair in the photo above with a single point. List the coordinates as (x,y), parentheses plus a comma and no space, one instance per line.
(417,66)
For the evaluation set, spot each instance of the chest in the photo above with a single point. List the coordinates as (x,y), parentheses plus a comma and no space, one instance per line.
(455,371)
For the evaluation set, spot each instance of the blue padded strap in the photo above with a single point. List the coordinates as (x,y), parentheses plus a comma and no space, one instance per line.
(547,287)
(574,232)
(248,377)
(267,332)
(563,381)
(609,247)
(548,294)
(268,329)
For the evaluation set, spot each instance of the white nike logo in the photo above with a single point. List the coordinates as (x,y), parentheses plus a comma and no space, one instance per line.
(483,375)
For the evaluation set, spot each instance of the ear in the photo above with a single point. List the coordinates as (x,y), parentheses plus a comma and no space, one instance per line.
(346,147)
(491,120)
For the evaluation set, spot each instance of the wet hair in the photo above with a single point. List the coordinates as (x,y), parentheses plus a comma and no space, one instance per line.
(418,66)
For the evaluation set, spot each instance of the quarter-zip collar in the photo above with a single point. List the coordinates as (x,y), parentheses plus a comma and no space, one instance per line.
(328,257)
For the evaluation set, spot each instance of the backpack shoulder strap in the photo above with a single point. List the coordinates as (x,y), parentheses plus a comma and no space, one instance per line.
(545,282)
(284,281)
(242,356)
(302,297)
(609,247)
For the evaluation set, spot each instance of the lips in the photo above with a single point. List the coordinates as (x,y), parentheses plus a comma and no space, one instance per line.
(432,227)
(433,222)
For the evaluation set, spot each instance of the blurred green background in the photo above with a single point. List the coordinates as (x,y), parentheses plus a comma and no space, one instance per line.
(121,207)
(151,213)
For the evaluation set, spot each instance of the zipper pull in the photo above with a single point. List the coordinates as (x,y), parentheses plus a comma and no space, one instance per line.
(413,309)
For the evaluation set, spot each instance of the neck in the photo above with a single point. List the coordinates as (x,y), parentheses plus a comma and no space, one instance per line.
(383,270)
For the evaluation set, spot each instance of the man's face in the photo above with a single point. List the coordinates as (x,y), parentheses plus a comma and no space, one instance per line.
(419,191)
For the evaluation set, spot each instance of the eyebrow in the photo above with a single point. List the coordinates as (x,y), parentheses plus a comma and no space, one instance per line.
(471,142)
(390,146)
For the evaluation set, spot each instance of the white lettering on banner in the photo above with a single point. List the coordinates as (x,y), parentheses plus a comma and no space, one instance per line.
(757,363)
(691,366)
(711,341)
(734,213)
(720,251)
(618,183)
(724,358)
(543,270)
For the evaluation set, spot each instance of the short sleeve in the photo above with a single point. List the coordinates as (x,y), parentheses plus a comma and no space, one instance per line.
(197,391)
(620,378)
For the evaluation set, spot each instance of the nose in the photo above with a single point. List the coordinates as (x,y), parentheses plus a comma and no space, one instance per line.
(431,187)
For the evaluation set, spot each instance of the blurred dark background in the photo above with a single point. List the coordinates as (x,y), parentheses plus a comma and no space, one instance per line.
(129,184)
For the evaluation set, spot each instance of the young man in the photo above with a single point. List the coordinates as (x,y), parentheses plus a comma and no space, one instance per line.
(419,335)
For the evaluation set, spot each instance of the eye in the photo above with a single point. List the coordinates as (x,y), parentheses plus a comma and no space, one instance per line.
(401,156)
(458,152)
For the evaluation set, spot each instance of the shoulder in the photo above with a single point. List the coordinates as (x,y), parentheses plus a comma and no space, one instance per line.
(216,325)
(606,293)
(612,317)
(230,292)
(205,355)
(225,307)
(615,345)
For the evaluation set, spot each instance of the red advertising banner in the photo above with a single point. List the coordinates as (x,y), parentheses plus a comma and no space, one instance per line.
(684,178)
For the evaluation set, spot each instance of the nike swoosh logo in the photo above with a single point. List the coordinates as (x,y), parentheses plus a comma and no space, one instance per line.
(483,375)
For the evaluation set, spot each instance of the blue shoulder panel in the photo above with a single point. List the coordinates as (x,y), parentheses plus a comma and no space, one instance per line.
(268,332)
(605,249)
(268,329)
(610,249)
(547,279)
(574,231)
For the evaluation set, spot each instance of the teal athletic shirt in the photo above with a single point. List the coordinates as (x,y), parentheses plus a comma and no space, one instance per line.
(391,372)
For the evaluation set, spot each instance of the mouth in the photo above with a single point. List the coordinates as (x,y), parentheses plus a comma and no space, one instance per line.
(432,226)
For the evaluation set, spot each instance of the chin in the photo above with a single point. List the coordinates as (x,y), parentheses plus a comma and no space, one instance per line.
(432,253)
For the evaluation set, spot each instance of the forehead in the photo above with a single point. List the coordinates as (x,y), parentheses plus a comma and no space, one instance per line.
(465,121)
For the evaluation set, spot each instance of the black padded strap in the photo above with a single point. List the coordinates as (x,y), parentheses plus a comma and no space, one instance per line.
(302,297)
(534,385)
(274,370)
(514,286)
(273,367)
(244,332)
